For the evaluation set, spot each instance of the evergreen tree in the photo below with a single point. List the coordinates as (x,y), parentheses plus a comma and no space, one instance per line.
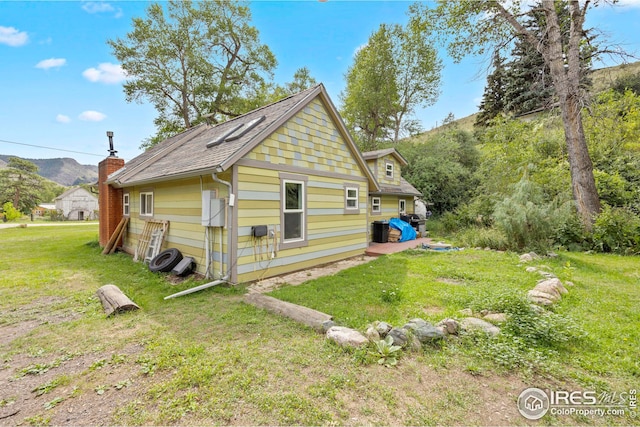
(493,99)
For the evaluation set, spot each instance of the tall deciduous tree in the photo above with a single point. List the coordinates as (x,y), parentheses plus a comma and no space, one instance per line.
(20,184)
(473,25)
(193,60)
(371,95)
(397,71)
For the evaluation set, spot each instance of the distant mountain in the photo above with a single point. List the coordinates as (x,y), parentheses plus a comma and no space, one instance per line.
(64,171)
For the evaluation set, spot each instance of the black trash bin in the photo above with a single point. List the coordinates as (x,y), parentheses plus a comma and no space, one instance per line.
(381,231)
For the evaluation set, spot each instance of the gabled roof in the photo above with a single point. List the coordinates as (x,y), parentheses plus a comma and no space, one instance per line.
(370,155)
(204,149)
(73,190)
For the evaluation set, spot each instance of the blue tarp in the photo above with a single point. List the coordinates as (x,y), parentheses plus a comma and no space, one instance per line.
(408,233)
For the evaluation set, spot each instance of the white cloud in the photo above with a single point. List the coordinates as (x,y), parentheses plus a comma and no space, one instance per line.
(105,73)
(628,3)
(12,37)
(92,116)
(61,118)
(51,63)
(101,7)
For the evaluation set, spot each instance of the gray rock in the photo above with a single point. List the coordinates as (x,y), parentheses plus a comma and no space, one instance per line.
(424,331)
(531,269)
(473,323)
(569,283)
(496,317)
(548,288)
(554,282)
(383,328)
(451,326)
(326,325)
(529,257)
(540,298)
(400,336)
(372,334)
(553,297)
(346,337)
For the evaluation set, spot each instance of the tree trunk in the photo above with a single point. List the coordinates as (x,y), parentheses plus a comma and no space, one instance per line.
(566,79)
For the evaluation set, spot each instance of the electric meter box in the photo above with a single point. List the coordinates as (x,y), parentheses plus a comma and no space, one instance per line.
(212,210)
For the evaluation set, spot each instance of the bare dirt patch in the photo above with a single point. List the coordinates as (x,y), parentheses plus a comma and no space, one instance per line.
(299,277)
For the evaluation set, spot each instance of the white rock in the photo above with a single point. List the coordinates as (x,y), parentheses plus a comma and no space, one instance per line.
(531,269)
(346,337)
(473,323)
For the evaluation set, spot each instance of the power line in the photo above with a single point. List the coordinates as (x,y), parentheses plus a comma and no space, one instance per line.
(51,148)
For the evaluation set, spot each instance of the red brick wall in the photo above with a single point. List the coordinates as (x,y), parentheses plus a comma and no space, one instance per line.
(110,198)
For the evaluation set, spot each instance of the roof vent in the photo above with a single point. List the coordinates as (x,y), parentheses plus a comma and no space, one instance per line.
(236,132)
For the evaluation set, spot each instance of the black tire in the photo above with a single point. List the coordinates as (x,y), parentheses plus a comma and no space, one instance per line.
(165,261)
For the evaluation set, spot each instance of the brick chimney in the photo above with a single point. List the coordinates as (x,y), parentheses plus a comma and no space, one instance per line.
(110,198)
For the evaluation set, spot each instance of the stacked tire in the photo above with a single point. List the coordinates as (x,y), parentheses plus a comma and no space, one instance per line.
(165,261)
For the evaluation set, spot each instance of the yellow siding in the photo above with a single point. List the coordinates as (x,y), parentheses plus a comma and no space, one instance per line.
(309,145)
(179,202)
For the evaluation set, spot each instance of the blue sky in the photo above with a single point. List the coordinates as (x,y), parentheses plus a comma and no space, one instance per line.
(61,87)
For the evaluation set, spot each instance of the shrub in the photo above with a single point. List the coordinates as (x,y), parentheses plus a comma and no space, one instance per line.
(527,219)
(479,237)
(10,212)
(617,230)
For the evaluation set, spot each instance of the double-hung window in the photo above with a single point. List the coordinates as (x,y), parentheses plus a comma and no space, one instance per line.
(293,210)
(125,204)
(389,170)
(375,205)
(146,203)
(351,203)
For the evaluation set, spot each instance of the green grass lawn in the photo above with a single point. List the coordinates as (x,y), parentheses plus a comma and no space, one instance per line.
(208,358)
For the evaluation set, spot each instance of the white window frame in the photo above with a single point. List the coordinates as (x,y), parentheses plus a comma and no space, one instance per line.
(388,170)
(351,201)
(376,206)
(126,205)
(301,211)
(402,206)
(146,206)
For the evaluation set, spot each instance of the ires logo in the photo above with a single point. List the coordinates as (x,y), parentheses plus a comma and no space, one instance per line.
(575,398)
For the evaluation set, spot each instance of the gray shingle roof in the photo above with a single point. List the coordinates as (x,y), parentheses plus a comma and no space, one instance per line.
(404,189)
(370,155)
(186,154)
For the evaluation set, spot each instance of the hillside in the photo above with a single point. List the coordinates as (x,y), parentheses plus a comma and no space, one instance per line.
(601,78)
(65,171)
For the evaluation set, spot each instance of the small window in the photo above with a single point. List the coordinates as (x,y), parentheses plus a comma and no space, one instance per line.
(351,195)
(125,204)
(146,204)
(389,170)
(375,204)
(402,206)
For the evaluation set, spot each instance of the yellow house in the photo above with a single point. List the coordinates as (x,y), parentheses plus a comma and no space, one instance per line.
(395,196)
(279,189)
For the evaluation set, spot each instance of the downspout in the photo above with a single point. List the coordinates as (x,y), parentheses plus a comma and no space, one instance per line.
(229,221)
(229,263)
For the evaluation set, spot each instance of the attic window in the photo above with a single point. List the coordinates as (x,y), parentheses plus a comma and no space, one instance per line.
(237,132)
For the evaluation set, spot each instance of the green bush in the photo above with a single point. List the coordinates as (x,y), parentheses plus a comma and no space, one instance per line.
(571,234)
(480,237)
(617,230)
(528,220)
(10,212)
